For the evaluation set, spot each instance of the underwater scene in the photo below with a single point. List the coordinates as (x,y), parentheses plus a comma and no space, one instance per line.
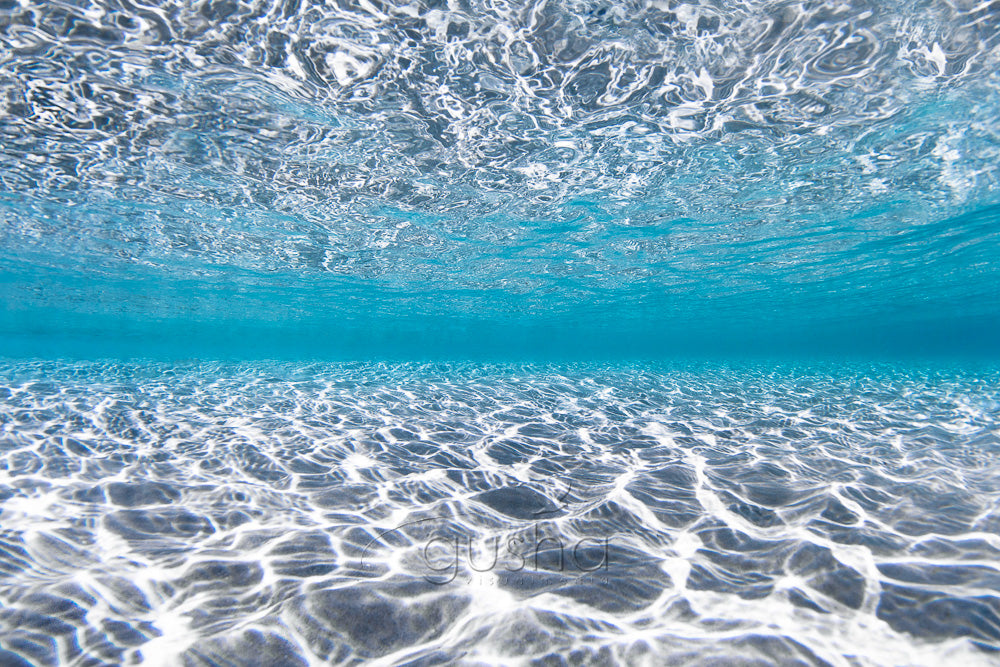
(479,332)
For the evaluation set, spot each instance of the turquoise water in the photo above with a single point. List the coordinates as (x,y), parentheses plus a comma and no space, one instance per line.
(484,180)
(482,332)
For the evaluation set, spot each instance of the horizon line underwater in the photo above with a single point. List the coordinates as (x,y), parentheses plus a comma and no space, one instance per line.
(479,332)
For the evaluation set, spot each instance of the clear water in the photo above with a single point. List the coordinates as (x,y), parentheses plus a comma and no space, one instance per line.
(290,514)
(345,180)
(311,310)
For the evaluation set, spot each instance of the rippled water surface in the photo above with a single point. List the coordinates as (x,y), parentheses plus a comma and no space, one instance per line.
(207,514)
(397,172)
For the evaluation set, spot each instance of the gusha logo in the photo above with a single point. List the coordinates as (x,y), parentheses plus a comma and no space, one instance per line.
(449,548)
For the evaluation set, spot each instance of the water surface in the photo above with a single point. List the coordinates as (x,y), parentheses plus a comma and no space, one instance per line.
(473,178)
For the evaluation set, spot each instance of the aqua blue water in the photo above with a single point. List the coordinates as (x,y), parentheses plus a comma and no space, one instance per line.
(488,332)
(486,179)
